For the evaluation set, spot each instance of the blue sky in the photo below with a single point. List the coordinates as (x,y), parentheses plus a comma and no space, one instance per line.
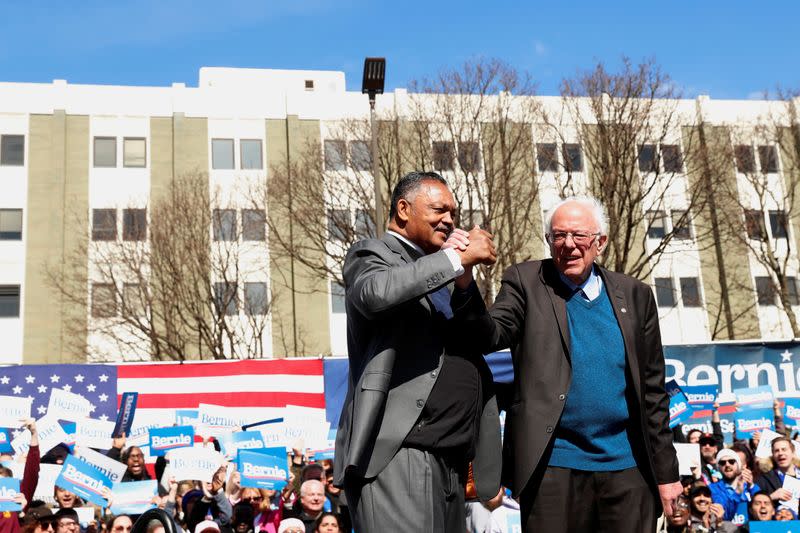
(732,49)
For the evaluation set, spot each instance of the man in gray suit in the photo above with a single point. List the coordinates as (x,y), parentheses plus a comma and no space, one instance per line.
(419,404)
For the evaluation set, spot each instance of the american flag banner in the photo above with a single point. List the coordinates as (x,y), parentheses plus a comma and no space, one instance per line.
(256,389)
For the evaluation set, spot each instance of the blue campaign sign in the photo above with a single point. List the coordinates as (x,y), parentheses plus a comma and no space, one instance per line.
(772,526)
(133,497)
(69,429)
(84,480)
(262,470)
(163,440)
(791,411)
(754,397)
(127,410)
(5,442)
(679,408)
(9,489)
(751,420)
(701,398)
(240,440)
(740,516)
(186,417)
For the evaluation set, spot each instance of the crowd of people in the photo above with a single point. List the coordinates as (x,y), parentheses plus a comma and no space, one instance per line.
(309,503)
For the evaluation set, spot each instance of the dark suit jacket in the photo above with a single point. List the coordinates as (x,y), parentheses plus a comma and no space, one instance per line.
(530,316)
(395,349)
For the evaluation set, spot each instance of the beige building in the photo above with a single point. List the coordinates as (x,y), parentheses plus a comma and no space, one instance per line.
(82,168)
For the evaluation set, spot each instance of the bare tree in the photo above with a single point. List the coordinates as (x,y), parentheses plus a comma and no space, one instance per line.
(638,154)
(182,281)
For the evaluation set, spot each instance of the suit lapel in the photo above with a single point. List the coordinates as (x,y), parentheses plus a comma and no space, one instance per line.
(558,294)
(404,255)
(625,319)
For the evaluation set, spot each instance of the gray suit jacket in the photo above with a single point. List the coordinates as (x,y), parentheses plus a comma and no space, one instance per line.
(396,350)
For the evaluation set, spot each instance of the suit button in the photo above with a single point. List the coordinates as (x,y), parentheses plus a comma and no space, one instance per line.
(562,397)
(549,429)
(420,404)
(433,374)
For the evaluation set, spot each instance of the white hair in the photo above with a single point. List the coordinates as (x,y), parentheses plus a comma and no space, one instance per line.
(598,212)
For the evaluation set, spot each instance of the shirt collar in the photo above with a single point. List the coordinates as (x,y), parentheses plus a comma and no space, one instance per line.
(591,286)
(403,239)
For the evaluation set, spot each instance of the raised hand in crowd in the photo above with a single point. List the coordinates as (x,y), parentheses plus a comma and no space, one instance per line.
(118,442)
(30,425)
(745,477)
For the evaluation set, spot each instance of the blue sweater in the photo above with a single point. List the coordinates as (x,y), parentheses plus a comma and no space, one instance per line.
(591,434)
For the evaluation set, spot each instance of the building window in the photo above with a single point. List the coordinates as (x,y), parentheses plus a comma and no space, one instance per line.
(546,157)
(10,224)
(335,155)
(224,224)
(690,292)
(657,228)
(665,292)
(768,157)
(255,298)
(671,156)
(309,85)
(222,154)
(9,301)
(779,224)
(104,300)
(225,298)
(134,224)
(12,150)
(338,222)
(745,160)
(337,297)
(573,159)
(469,157)
(133,300)
(252,158)
(647,158)
(754,224)
(134,152)
(791,289)
(365,227)
(360,156)
(443,155)
(765,290)
(104,224)
(105,152)
(253,225)
(681,227)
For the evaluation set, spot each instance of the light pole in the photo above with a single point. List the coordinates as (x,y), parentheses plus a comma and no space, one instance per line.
(371,85)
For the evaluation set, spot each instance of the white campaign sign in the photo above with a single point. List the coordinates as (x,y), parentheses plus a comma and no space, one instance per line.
(50,434)
(47,481)
(688,456)
(213,420)
(194,463)
(94,433)
(274,434)
(307,424)
(68,405)
(764,449)
(13,410)
(113,469)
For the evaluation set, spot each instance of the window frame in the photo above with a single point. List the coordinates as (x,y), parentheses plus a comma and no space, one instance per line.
(660,285)
(102,138)
(218,229)
(252,229)
(125,141)
(214,162)
(447,156)
(4,158)
(249,309)
(221,291)
(95,309)
(765,290)
(652,229)
(337,148)
(103,234)
(6,235)
(8,294)
(684,283)
(242,159)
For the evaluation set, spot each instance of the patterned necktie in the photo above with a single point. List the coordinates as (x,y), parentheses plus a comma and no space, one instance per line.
(441,302)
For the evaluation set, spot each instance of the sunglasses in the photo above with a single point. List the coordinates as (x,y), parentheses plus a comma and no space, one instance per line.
(47,523)
(727,461)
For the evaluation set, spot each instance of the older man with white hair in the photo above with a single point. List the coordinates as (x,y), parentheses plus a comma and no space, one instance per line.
(312,503)
(587,437)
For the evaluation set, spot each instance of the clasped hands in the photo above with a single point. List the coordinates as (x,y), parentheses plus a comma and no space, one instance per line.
(474,247)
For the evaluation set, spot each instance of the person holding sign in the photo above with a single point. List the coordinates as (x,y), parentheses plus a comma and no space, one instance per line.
(419,404)
(133,457)
(783,465)
(9,521)
(587,436)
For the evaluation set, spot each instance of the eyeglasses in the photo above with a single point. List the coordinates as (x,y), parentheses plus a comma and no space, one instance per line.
(255,499)
(47,523)
(581,238)
(727,461)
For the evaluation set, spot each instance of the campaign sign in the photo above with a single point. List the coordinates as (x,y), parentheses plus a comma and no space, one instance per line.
(772,526)
(133,497)
(764,448)
(194,463)
(216,420)
(50,434)
(240,440)
(751,420)
(94,433)
(791,411)
(69,428)
(5,441)
(67,405)
(9,489)
(108,466)
(740,516)
(328,451)
(263,471)
(84,480)
(13,410)
(688,457)
(274,433)
(186,417)
(754,397)
(127,409)
(47,480)
(679,409)
(701,398)
(163,440)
